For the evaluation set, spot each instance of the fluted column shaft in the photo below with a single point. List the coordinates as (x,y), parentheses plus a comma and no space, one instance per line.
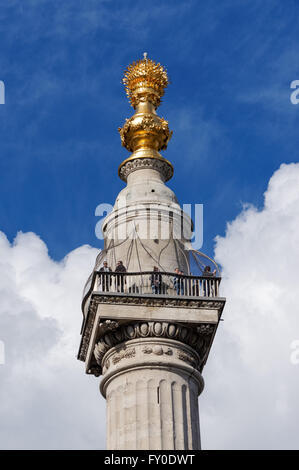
(152,387)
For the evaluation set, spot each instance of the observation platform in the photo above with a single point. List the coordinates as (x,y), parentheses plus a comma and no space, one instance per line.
(112,301)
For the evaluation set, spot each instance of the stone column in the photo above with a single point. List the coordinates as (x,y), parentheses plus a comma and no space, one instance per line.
(151,384)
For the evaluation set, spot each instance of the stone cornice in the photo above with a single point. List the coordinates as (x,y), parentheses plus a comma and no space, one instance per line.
(161,301)
(148,301)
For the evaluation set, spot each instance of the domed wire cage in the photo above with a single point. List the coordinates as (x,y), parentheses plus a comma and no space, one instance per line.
(199,262)
(195,262)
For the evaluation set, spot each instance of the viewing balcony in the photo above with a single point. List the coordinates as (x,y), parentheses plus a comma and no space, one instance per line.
(113,301)
(150,283)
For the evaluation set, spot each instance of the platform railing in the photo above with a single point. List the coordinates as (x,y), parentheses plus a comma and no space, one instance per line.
(158,283)
(148,282)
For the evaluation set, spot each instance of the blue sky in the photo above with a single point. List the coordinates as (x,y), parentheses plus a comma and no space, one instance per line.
(230,64)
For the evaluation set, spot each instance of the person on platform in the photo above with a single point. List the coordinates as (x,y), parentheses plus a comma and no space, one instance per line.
(206,283)
(120,276)
(105,279)
(156,281)
(178,282)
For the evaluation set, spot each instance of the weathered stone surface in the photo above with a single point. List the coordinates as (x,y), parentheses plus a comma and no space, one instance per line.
(151,387)
(132,312)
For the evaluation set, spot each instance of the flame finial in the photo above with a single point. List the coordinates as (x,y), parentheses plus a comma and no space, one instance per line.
(145,133)
(145,80)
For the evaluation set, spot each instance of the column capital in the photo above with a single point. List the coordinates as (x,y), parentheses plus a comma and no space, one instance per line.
(119,337)
(150,353)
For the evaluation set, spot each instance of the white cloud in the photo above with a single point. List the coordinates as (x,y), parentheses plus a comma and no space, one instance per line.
(252,388)
(46,400)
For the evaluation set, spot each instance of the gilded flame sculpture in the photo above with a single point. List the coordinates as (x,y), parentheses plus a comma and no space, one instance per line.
(145,80)
(145,133)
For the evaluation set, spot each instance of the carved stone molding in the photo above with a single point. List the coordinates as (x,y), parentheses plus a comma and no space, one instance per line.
(108,325)
(197,338)
(205,331)
(87,331)
(164,168)
(95,370)
(159,302)
(124,354)
(158,350)
(186,358)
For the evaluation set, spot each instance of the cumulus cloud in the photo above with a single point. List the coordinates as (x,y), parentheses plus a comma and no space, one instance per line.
(252,387)
(46,400)
(251,397)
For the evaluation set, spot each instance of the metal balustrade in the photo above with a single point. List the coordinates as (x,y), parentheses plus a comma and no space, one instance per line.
(143,283)
(158,283)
